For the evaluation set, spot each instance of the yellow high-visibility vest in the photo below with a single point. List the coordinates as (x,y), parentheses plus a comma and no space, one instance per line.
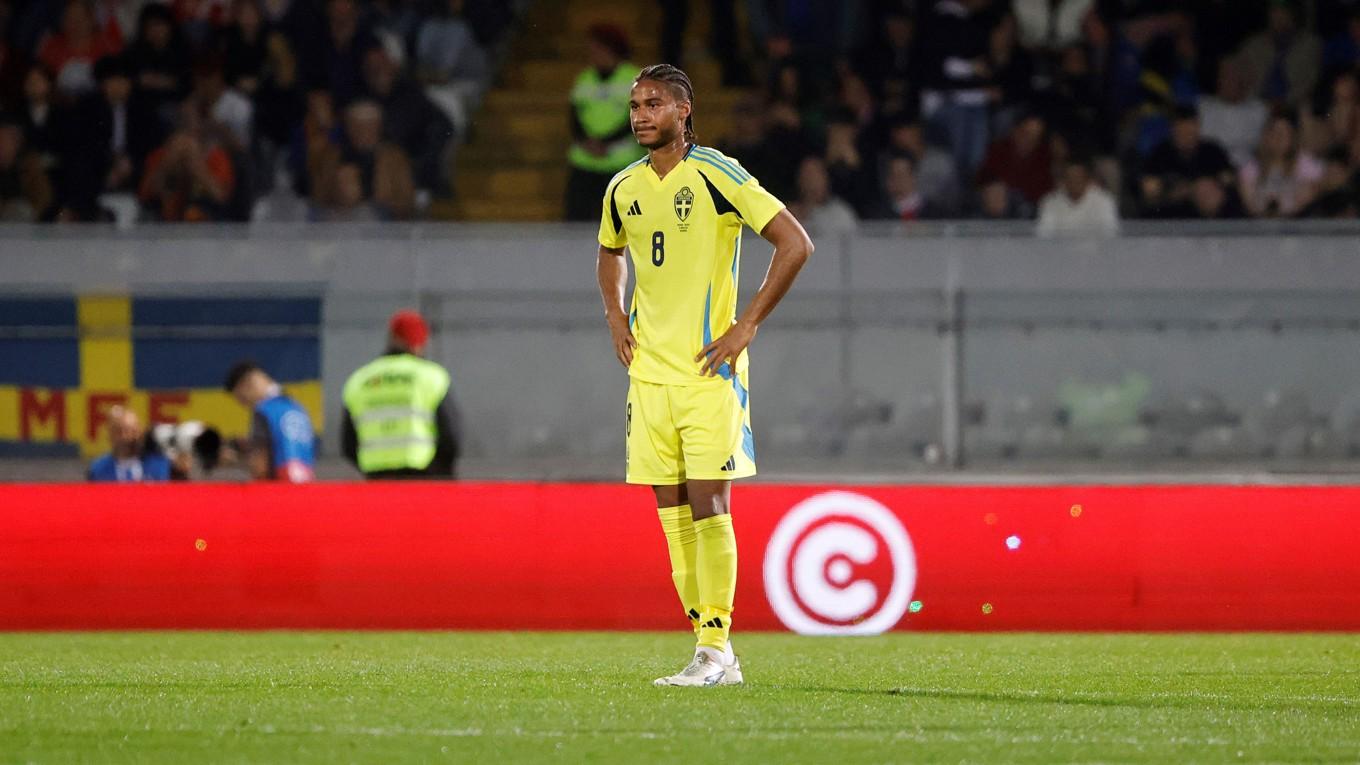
(392,402)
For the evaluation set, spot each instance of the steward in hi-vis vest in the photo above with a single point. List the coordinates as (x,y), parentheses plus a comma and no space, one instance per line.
(602,141)
(397,421)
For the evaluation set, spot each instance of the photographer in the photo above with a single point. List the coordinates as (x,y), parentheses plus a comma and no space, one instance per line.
(282,443)
(132,456)
(186,444)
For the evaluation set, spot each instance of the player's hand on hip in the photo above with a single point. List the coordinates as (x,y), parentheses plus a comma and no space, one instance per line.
(725,349)
(624,342)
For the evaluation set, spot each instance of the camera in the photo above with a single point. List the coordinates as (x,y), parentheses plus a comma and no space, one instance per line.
(201,442)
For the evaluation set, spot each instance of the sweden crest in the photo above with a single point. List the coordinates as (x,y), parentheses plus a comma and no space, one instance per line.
(684,202)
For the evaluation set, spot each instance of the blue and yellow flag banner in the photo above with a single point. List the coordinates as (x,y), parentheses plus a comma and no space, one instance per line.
(65,361)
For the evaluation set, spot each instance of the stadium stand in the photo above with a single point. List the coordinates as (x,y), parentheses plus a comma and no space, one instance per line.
(919,109)
(351,111)
(515,165)
(240,111)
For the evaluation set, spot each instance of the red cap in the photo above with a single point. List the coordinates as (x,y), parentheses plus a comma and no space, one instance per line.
(408,326)
(612,37)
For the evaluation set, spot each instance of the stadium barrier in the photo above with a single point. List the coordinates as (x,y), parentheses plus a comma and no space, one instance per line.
(911,346)
(587,556)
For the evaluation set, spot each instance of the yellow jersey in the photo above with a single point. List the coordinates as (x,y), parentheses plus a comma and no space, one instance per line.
(684,236)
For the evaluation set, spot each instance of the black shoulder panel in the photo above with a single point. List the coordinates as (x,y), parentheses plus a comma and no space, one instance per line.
(614,208)
(720,202)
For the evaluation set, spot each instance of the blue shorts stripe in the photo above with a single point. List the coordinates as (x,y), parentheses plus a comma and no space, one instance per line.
(724,369)
(741,391)
(748,439)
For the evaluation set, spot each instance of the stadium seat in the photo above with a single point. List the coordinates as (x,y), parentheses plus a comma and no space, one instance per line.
(1049,442)
(1345,422)
(1278,413)
(1224,442)
(1137,443)
(1308,441)
(124,206)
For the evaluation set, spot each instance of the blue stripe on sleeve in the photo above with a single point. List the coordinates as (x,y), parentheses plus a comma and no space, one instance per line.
(718,167)
(713,155)
(718,157)
(625,170)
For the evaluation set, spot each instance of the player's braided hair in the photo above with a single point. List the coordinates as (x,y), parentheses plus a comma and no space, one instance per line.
(679,84)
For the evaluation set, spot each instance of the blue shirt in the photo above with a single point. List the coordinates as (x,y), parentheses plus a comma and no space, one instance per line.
(152,466)
(284,428)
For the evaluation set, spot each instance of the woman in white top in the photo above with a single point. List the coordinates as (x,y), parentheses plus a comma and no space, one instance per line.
(1282,179)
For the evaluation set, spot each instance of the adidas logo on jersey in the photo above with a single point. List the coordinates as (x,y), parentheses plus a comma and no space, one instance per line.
(636,209)
(730,466)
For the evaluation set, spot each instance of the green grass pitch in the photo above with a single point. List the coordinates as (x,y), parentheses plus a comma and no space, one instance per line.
(587,697)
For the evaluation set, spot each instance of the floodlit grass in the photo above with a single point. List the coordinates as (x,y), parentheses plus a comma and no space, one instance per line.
(587,697)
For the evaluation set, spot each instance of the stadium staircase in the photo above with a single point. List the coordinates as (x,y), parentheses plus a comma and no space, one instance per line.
(514,166)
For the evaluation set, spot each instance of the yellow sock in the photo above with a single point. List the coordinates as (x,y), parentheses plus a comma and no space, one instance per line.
(678,523)
(716,559)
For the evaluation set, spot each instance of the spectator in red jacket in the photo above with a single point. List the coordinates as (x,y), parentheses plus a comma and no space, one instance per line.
(190,178)
(71,51)
(1022,160)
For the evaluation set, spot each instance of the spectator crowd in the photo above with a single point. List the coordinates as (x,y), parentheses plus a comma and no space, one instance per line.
(1075,112)
(233,110)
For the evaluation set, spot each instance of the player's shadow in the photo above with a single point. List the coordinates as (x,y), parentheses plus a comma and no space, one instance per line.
(1021,697)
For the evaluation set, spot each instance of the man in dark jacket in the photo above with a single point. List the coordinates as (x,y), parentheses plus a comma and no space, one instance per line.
(411,120)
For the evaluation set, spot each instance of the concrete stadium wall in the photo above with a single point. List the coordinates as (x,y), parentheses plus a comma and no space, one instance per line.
(892,340)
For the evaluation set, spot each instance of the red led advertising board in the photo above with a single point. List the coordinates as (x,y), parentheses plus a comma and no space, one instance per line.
(820,560)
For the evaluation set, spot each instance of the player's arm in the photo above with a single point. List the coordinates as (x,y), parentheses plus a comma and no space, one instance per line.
(259,449)
(349,438)
(792,246)
(611,269)
(258,464)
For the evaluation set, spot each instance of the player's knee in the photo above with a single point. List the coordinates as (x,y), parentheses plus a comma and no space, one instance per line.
(708,506)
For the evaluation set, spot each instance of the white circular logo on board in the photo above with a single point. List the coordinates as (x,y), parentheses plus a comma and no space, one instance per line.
(839,564)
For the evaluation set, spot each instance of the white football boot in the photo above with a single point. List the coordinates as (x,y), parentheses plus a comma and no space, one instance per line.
(731,668)
(702,671)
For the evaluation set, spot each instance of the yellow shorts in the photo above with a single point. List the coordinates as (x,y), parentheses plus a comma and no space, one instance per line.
(678,432)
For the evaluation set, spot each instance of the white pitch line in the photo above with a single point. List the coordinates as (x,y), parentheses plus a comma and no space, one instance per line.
(1057,697)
